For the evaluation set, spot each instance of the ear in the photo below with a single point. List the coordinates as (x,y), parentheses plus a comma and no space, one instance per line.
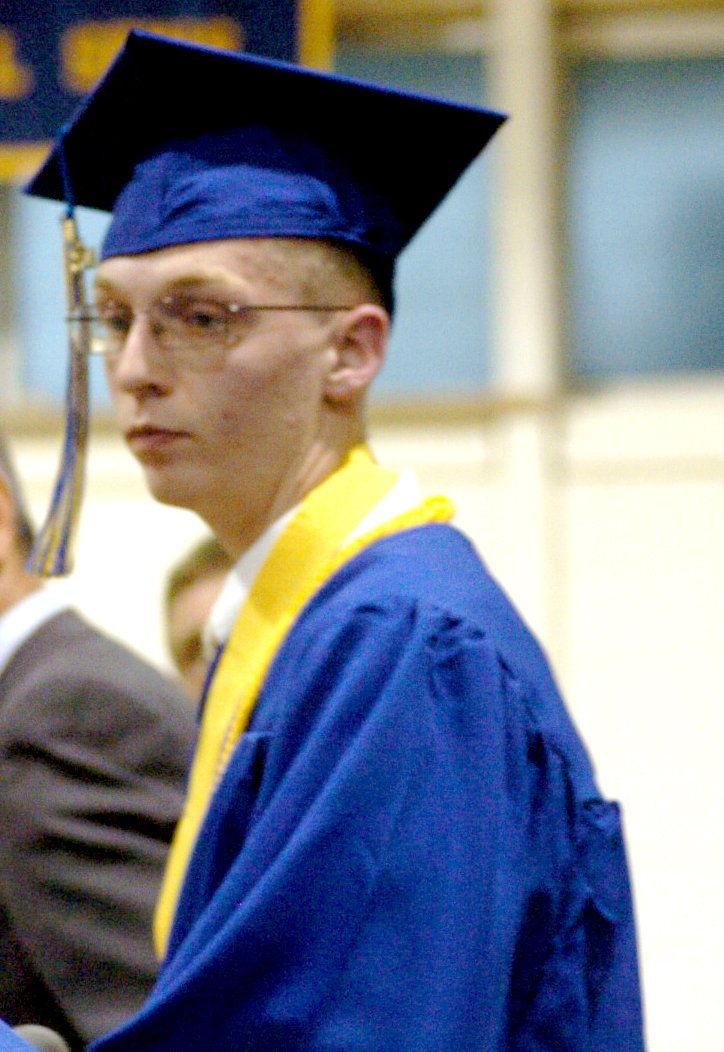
(360,341)
(7,520)
(15,583)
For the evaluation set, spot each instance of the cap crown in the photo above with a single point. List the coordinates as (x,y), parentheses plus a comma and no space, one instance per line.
(187,143)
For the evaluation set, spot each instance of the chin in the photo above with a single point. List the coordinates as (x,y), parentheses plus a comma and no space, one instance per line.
(172,492)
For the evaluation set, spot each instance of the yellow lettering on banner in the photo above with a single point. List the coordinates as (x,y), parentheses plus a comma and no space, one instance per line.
(88,48)
(18,160)
(16,80)
(315,46)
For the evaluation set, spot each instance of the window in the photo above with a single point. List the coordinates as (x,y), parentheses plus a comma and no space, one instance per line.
(646,216)
(441,340)
(40,308)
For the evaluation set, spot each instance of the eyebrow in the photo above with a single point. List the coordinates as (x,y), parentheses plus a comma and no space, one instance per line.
(192,281)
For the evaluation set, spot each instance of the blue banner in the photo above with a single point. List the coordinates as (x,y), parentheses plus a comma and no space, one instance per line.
(51,55)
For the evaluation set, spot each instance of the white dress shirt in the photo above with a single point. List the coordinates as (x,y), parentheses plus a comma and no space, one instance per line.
(404,495)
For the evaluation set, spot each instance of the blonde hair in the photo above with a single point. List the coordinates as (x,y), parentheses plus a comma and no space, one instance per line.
(322,271)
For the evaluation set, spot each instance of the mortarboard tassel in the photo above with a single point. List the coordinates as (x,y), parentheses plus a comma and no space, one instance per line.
(53,552)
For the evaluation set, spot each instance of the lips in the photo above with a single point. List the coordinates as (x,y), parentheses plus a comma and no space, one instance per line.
(149,439)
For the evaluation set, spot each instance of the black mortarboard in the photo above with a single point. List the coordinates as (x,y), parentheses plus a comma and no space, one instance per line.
(188,143)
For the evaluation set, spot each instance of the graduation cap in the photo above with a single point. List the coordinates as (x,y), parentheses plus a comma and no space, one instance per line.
(185,143)
(190,143)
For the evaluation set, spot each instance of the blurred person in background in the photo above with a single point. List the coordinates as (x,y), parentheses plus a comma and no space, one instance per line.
(192,587)
(94,750)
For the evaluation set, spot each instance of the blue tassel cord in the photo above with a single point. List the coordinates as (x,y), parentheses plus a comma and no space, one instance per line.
(54,549)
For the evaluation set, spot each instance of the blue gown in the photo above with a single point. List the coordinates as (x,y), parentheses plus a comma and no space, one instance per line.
(407,851)
(9,1041)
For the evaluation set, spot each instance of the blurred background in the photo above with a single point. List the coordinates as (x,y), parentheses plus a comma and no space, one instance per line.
(557,367)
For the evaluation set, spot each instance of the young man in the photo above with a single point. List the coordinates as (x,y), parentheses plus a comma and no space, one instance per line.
(392,838)
(95,749)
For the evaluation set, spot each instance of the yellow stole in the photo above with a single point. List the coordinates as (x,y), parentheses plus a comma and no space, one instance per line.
(309,551)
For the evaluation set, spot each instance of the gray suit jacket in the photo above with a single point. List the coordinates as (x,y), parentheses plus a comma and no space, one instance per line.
(94,749)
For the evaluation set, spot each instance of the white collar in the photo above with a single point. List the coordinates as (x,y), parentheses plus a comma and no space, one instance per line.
(239,583)
(20,622)
(405,494)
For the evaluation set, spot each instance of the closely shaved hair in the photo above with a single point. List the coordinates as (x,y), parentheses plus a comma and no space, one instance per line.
(322,271)
(205,558)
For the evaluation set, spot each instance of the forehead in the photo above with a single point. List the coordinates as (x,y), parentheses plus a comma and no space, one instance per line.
(236,264)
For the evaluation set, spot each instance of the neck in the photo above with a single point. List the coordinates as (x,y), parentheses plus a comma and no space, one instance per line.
(237,528)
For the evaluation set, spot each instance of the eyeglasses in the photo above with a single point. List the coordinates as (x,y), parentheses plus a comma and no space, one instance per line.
(179,324)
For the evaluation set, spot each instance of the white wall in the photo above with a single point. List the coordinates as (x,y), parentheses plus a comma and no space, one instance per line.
(604,518)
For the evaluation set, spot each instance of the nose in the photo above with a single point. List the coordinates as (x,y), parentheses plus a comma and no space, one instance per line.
(140,367)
